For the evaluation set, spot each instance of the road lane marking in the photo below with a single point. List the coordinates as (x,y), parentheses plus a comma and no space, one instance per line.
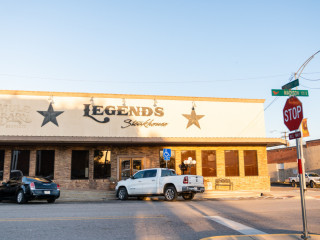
(235,225)
(76,218)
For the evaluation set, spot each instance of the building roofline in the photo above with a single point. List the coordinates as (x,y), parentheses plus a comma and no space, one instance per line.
(10,140)
(127,96)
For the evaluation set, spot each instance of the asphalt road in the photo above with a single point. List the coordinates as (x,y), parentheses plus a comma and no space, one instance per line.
(135,219)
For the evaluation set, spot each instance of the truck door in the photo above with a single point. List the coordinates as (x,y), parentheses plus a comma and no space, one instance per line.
(135,186)
(149,182)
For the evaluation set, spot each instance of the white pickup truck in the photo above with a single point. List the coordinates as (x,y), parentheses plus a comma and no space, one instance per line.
(312,179)
(160,182)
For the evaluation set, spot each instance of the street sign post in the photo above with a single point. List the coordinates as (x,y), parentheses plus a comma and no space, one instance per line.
(286,92)
(293,116)
(166,155)
(292,113)
(292,84)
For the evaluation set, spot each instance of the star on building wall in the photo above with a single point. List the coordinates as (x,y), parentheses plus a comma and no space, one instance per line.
(50,115)
(193,118)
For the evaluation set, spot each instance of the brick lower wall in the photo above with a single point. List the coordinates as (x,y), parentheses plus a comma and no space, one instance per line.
(241,183)
(150,159)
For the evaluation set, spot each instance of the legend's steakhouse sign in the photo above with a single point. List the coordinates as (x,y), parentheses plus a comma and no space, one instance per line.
(96,112)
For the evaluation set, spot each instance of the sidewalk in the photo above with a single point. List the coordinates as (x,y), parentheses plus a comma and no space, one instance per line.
(276,192)
(102,195)
(227,195)
(86,195)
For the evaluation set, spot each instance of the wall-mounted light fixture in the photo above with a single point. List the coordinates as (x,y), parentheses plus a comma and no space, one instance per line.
(193,105)
(155,102)
(50,99)
(92,101)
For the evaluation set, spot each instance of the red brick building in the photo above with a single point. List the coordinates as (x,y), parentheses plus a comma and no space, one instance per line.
(282,162)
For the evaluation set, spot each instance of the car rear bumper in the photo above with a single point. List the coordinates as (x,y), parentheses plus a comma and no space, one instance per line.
(45,194)
(193,189)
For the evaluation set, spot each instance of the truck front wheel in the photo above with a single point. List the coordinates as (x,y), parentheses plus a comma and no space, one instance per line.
(170,193)
(123,194)
(188,196)
(293,184)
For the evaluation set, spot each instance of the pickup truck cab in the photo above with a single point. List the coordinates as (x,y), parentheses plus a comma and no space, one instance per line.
(160,182)
(312,179)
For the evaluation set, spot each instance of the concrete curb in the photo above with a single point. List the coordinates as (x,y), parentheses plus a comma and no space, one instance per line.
(263,237)
(104,196)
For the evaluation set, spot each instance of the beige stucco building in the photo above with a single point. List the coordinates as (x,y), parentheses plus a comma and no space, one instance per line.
(84,140)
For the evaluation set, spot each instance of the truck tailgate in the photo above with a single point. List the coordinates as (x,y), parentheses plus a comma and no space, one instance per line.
(195,180)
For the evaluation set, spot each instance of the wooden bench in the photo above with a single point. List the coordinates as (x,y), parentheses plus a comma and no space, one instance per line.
(224,182)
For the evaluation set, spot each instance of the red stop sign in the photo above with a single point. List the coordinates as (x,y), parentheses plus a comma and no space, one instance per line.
(292,113)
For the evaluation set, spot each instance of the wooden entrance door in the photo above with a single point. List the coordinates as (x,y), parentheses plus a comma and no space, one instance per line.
(129,166)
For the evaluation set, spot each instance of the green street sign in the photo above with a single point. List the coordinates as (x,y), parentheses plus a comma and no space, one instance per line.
(285,92)
(292,84)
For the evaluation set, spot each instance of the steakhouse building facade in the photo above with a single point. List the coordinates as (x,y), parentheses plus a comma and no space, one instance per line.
(85,141)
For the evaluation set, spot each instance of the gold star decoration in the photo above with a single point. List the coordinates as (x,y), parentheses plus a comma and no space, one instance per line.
(193,118)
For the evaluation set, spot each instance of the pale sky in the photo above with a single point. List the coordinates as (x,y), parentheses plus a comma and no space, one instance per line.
(228,49)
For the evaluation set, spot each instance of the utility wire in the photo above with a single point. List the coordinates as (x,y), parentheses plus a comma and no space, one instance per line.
(271,103)
(308,87)
(144,82)
(147,82)
(274,100)
(310,73)
(308,79)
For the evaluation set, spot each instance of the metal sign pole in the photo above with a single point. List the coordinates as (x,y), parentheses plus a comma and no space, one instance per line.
(302,189)
(166,155)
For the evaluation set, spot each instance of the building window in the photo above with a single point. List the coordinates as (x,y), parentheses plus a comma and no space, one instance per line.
(1,163)
(20,161)
(184,156)
(45,163)
(231,158)
(170,164)
(250,163)
(80,164)
(102,164)
(209,163)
